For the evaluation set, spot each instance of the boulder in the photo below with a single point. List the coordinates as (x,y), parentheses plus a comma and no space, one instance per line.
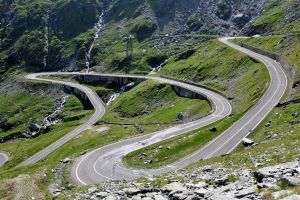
(179,196)
(92,190)
(222,181)
(201,192)
(290,181)
(280,193)
(101,194)
(245,192)
(34,127)
(131,191)
(159,197)
(174,187)
(66,160)
(111,198)
(292,197)
(247,142)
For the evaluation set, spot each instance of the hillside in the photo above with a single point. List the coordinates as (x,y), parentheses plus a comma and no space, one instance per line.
(167,38)
(41,35)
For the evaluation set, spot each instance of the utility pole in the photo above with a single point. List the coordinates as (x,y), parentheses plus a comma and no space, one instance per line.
(129,47)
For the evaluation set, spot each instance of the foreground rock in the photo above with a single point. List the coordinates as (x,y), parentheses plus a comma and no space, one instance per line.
(210,182)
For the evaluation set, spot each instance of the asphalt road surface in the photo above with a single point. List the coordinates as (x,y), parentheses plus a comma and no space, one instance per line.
(3,158)
(105,163)
(221,109)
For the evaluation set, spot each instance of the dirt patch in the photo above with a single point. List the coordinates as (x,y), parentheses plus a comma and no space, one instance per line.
(103,129)
(21,187)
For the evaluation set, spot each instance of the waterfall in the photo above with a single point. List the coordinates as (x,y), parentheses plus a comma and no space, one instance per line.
(158,68)
(51,119)
(114,95)
(46,37)
(98,28)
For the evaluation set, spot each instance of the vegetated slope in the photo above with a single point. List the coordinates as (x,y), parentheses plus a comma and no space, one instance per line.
(44,35)
(279,16)
(215,65)
(151,102)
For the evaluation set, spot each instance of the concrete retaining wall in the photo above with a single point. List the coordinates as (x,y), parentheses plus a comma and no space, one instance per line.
(289,69)
(99,78)
(81,96)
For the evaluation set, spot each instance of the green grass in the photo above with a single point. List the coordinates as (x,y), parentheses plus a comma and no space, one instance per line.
(274,18)
(21,149)
(16,108)
(213,65)
(151,102)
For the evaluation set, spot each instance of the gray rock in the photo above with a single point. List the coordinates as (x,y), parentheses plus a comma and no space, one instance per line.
(201,192)
(159,197)
(247,142)
(179,196)
(131,191)
(222,181)
(34,127)
(66,160)
(292,197)
(175,186)
(245,192)
(147,198)
(290,181)
(111,198)
(101,194)
(92,189)
(136,198)
(268,185)
(280,193)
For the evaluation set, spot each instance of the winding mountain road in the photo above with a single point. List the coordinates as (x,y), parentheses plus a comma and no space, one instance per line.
(106,163)
(220,104)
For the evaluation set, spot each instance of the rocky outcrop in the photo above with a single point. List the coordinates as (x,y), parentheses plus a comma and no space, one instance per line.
(212,182)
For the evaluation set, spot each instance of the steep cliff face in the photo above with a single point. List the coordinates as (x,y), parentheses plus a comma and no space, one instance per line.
(176,16)
(54,35)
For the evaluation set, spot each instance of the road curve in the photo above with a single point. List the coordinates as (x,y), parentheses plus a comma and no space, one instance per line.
(221,109)
(105,163)
(3,158)
(99,112)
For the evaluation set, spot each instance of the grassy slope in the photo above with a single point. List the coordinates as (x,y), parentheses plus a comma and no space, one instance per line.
(22,148)
(151,102)
(276,15)
(216,66)
(16,108)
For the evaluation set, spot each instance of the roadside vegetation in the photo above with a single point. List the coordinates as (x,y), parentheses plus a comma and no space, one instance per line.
(151,102)
(18,107)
